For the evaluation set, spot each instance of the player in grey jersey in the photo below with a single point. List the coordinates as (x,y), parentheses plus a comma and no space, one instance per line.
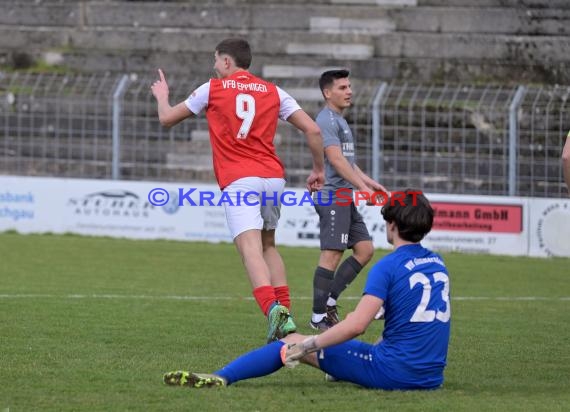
(341,226)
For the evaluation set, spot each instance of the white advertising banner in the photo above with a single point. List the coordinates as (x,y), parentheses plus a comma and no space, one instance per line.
(109,208)
(178,211)
(30,205)
(142,210)
(473,224)
(549,227)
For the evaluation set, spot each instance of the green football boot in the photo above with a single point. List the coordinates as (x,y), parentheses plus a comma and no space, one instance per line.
(280,323)
(193,380)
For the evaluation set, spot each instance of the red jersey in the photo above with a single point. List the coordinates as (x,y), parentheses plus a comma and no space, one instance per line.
(242,112)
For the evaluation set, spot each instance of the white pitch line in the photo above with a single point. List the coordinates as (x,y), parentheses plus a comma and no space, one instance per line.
(190,298)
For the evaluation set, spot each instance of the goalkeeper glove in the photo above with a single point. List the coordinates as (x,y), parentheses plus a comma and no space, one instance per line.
(293,352)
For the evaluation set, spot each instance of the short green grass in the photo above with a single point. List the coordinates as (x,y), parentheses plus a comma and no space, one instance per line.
(92,324)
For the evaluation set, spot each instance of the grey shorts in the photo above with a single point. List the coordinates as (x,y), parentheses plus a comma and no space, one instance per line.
(341,227)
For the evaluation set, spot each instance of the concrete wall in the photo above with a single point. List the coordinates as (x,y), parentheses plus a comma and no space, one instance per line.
(423,40)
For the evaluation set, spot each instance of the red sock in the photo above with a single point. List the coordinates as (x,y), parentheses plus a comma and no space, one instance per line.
(282,295)
(265,296)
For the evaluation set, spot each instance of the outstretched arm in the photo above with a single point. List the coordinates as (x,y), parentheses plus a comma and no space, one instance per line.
(168,115)
(304,123)
(345,169)
(353,325)
(566,162)
(369,181)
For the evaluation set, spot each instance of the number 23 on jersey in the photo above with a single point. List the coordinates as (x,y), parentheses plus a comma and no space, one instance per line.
(421,313)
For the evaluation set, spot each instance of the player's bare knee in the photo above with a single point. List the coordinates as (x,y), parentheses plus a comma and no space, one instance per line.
(268,246)
(330,259)
(363,252)
(268,239)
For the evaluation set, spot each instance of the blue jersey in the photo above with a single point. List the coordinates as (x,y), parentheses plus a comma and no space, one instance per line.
(414,284)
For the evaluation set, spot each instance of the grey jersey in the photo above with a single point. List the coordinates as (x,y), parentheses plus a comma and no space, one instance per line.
(335,131)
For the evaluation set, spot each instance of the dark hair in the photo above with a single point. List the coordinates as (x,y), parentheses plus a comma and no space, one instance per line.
(328,77)
(237,49)
(412,213)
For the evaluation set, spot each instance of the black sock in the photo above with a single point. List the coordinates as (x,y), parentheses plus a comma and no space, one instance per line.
(345,274)
(321,288)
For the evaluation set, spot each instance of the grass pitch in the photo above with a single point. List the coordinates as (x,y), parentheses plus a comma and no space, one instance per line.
(93,323)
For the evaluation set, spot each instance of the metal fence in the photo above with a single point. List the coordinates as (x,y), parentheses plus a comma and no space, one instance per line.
(462,139)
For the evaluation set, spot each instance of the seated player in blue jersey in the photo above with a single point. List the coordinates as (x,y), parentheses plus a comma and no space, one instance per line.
(413,285)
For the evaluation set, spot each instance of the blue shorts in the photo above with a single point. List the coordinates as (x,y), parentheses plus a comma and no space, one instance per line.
(357,362)
(353,361)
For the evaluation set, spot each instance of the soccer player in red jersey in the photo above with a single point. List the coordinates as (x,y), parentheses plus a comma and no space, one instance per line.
(242,112)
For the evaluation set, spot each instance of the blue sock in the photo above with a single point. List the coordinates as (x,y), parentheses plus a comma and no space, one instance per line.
(258,362)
